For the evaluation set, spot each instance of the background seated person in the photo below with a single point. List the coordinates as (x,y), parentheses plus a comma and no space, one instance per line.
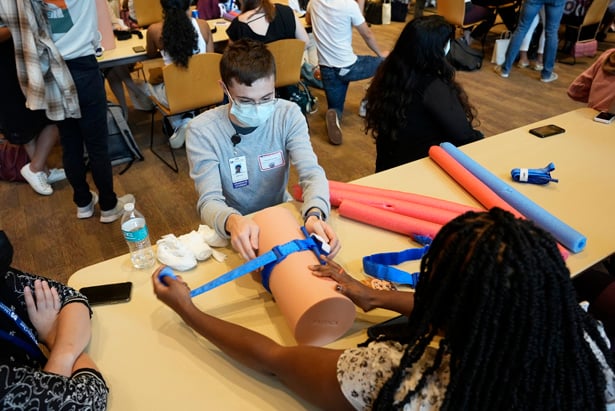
(178,37)
(57,317)
(507,9)
(414,102)
(596,85)
(265,136)
(264,21)
(493,293)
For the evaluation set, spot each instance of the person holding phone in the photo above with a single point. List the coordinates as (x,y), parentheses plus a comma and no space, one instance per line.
(596,85)
(37,311)
(493,293)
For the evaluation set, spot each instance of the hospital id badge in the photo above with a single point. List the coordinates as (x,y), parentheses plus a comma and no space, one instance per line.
(239,171)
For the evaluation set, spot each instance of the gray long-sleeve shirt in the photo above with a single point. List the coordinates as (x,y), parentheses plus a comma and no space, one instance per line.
(254,174)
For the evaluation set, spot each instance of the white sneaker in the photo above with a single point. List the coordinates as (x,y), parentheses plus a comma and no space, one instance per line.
(179,137)
(551,78)
(109,216)
(88,210)
(38,180)
(55,175)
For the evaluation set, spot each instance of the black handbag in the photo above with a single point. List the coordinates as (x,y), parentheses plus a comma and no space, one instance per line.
(464,57)
(373,12)
(399,10)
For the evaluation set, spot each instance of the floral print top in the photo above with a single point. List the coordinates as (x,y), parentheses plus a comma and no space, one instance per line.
(363,371)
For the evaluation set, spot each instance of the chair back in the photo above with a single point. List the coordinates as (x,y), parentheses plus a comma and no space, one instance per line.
(194,87)
(595,12)
(288,55)
(453,11)
(148,12)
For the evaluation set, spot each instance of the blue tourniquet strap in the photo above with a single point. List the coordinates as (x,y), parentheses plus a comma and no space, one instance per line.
(534,175)
(378,265)
(267,261)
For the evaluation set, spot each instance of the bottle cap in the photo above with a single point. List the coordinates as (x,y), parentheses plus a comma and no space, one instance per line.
(129,206)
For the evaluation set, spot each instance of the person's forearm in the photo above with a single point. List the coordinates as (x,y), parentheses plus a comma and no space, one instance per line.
(371,42)
(71,336)
(399,301)
(246,346)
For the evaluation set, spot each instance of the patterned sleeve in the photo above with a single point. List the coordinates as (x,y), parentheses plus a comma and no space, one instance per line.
(363,371)
(15,281)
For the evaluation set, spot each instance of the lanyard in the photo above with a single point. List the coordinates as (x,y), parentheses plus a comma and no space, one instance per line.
(268,260)
(379,265)
(30,346)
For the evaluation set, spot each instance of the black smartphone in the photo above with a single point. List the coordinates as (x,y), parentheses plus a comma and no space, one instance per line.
(108,293)
(395,327)
(547,131)
(138,49)
(604,117)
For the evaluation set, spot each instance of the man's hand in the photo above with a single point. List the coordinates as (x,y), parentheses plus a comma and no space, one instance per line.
(244,235)
(43,306)
(314,225)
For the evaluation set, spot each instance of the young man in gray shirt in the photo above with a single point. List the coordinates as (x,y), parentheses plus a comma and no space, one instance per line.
(240,153)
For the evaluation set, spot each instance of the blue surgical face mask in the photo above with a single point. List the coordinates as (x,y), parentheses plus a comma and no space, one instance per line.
(252,114)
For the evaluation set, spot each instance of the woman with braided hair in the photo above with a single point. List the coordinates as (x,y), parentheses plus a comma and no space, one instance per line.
(494,326)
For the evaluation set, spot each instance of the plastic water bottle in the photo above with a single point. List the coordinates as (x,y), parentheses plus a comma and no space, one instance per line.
(137,237)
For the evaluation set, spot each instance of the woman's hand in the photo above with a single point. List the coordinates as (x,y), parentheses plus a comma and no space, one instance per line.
(174,292)
(43,306)
(359,293)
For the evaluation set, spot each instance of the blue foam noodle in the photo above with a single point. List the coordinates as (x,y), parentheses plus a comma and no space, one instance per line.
(563,233)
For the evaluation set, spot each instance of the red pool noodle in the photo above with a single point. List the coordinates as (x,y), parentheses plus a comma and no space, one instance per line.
(388,220)
(419,211)
(338,190)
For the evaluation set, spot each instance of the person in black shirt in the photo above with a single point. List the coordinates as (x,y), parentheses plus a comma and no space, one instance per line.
(414,101)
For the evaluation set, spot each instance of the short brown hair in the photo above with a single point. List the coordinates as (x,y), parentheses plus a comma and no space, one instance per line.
(246,61)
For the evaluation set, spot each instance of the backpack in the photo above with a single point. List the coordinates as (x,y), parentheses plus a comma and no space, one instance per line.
(464,57)
(122,146)
(300,94)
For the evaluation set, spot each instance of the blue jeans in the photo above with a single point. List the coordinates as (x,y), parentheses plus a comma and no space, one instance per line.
(89,130)
(554,9)
(335,80)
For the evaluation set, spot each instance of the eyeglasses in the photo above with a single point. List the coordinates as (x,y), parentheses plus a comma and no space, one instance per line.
(270,98)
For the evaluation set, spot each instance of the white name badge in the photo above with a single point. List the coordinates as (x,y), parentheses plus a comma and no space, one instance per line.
(239,171)
(271,161)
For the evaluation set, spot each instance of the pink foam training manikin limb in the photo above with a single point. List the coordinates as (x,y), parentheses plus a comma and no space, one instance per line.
(314,311)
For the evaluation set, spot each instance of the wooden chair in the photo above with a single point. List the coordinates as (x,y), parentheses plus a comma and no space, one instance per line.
(288,55)
(148,12)
(188,89)
(454,11)
(587,29)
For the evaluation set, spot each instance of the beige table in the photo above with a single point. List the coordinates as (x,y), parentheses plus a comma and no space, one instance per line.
(123,52)
(152,361)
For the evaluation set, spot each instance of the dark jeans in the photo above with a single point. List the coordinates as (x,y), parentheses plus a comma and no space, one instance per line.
(91,130)
(335,80)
